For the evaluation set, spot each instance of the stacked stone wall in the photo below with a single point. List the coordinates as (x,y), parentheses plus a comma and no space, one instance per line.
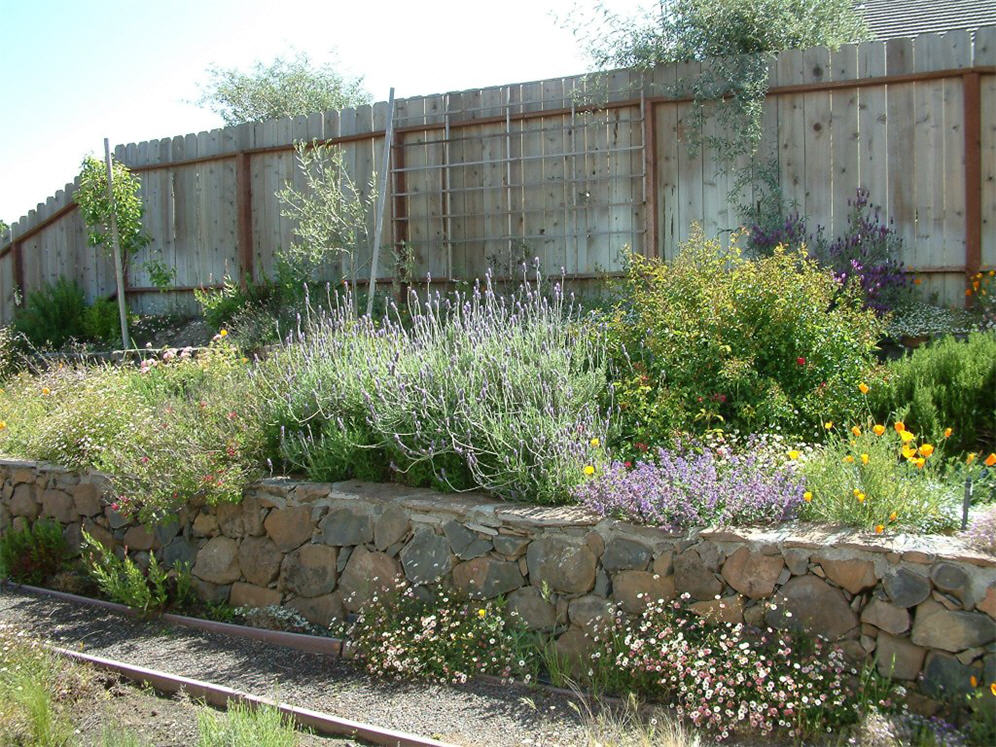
(922,608)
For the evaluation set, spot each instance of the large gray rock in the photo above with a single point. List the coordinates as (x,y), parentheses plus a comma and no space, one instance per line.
(934,626)
(180,550)
(466,543)
(289,528)
(139,538)
(217,562)
(726,610)
(635,590)
(810,605)
(244,519)
(623,554)
(259,560)
(563,565)
(390,528)
(87,499)
(309,571)
(510,545)
(368,574)
(884,616)
(853,574)
(906,588)
(59,506)
(321,610)
(945,677)
(752,574)
(951,579)
(23,503)
(897,657)
(486,578)
(346,527)
(426,558)
(694,575)
(249,595)
(591,613)
(535,612)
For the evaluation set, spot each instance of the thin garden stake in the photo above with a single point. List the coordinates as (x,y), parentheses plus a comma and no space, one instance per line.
(116,248)
(381,199)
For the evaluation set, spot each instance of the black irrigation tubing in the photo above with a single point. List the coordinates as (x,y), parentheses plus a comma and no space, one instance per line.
(221,697)
(312,644)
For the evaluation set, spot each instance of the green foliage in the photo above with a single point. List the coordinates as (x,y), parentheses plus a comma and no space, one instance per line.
(173,430)
(441,638)
(102,323)
(950,383)
(738,37)
(52,314)
(245,726)
(755,344)
(286,87)
(11,356)
(218,307)
(122,580)
(331,215)
(34,554)
(96,208)
(161,275)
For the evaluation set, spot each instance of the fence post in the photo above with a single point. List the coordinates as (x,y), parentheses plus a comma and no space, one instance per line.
(971,98)
(651,248)
(17,260)
(243,212)
(399,217)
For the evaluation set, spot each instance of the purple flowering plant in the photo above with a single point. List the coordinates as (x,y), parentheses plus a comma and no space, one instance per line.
(694,486)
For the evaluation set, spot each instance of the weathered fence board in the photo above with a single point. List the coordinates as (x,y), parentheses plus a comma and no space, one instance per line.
(570,171)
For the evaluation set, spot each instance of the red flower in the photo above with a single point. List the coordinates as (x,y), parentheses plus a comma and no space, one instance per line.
(627,465)
(801,361)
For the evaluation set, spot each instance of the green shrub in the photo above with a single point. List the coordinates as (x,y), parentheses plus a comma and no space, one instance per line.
(122,580)
(34,554)
(52,314)
(755,344)
(948,384)
(11,356)
(102,322)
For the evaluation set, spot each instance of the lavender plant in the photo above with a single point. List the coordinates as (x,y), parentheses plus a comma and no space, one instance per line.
(506,389)
(867,252)
(693,487)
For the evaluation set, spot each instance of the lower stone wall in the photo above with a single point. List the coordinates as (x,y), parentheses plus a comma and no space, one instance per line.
(923,607)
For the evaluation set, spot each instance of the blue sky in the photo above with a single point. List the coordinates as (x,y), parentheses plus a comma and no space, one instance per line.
(72,73)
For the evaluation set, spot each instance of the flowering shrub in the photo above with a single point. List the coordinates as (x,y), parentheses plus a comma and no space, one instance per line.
(714,337)
(695,487)
(868,253)
(721,676)
(982,290)
(981,531)
(947,383)
(439,638)
(880,477)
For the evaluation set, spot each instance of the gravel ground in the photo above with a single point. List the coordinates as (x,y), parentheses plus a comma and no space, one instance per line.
(474,714)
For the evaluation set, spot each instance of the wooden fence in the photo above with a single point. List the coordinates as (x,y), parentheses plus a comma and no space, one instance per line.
(485,178)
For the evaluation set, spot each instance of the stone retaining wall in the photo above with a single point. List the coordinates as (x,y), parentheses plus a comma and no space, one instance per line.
(918,605)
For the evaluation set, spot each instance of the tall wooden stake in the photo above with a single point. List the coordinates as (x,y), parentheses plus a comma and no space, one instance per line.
(381,201)
(116,248)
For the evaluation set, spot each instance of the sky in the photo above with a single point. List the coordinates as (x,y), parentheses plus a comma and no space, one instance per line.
(73,72)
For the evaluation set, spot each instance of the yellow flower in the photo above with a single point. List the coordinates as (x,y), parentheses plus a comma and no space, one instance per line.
(793,454)
(992,688)
(863,387)
(807,497)
(595,443)
(893,516)
(860,497)
(855,430)
(919,462)
(926,450)
(906,436)
(223,332)
(899,426)
(990,460)
(909,452)
(589,470)
(828,425)
(879,528)
(972,681)
(46,391)
(948,432)
(878,430)
(849,459)
(3,424)
(970,458)
(482,612)
(864,459)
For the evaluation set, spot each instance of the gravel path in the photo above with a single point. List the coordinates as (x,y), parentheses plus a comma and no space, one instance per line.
(475,714)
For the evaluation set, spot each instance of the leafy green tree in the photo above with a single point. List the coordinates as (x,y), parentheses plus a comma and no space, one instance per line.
(739,37)
(286,87)
(96,208)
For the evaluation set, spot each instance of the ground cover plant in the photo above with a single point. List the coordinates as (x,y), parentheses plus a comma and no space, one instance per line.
(34,553)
